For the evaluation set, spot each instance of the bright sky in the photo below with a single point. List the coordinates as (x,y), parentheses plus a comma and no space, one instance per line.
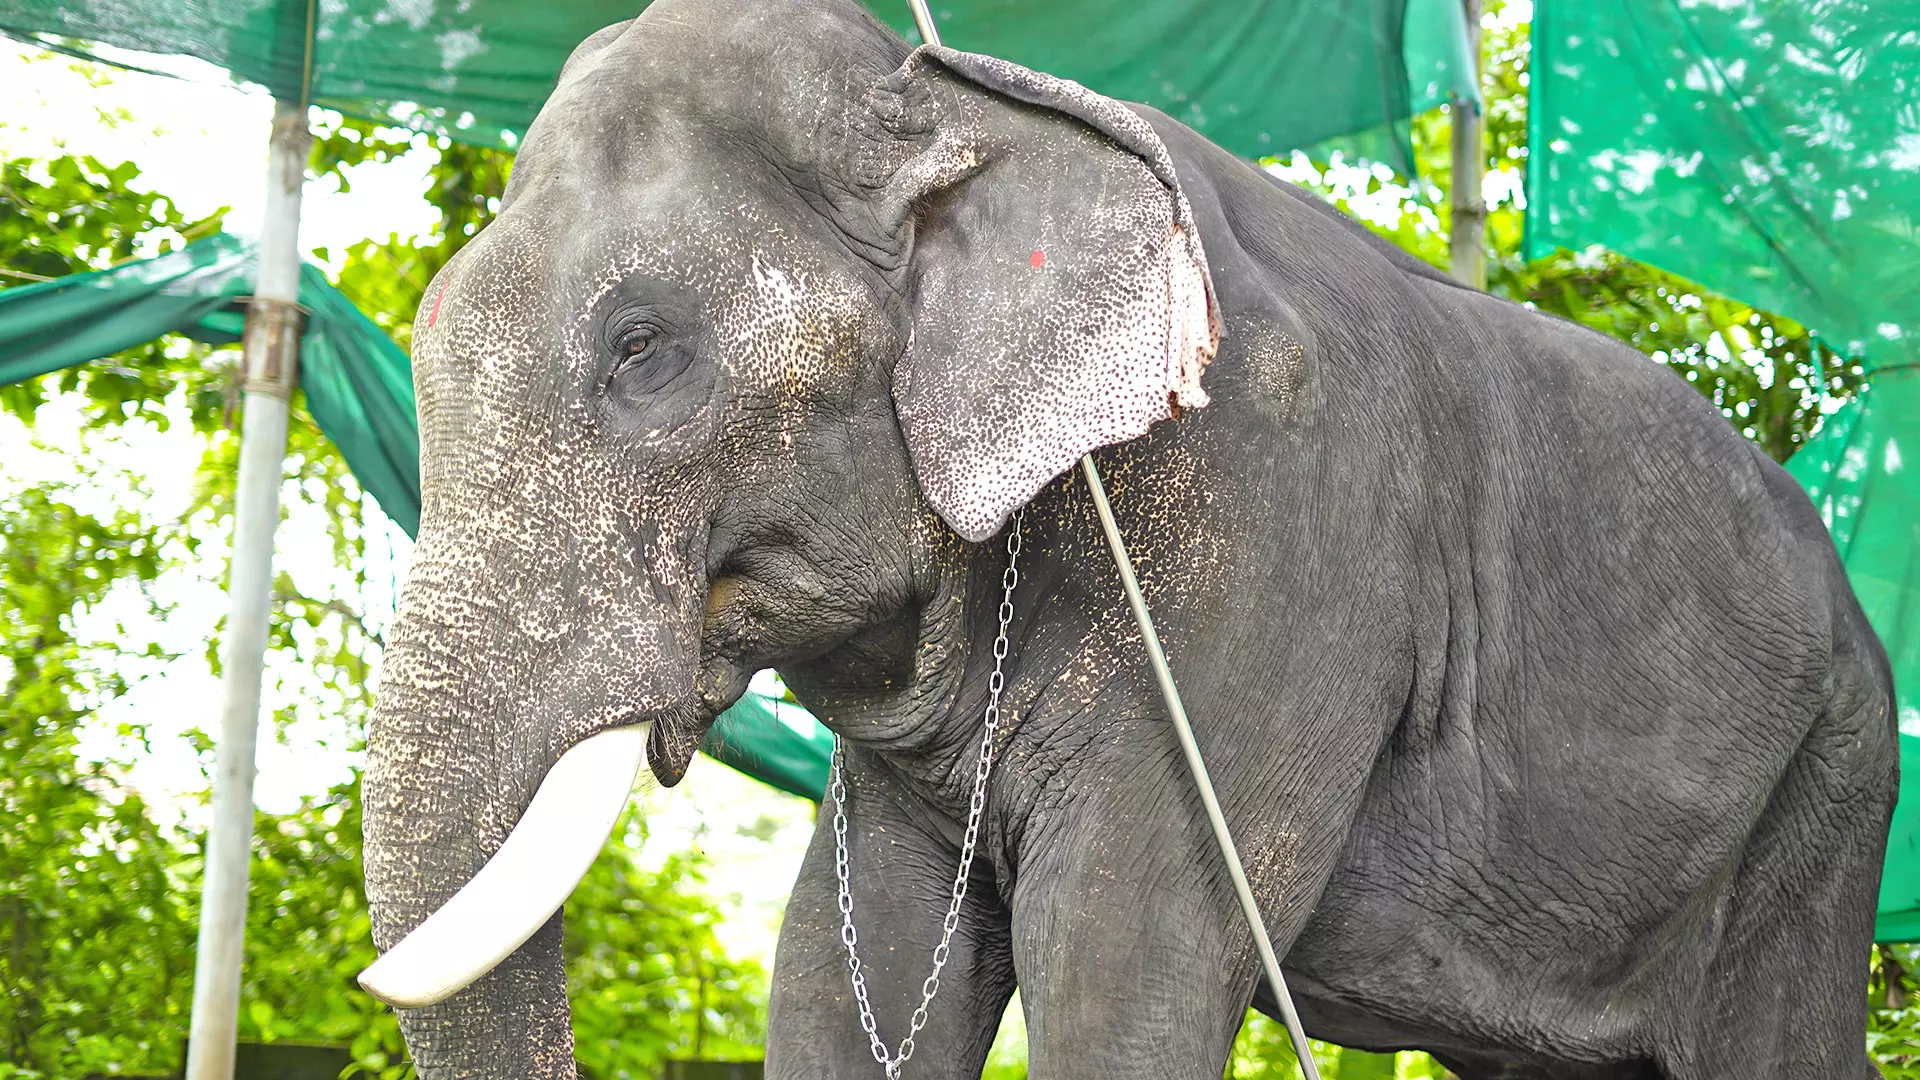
(202,142)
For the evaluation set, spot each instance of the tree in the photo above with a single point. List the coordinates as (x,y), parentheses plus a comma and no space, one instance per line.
(90,923)
(1893,992)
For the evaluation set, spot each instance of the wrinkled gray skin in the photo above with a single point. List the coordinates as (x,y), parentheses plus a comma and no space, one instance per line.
(1551,732)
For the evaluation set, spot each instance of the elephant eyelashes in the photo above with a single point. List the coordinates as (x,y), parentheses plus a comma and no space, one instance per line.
(648,336)
(646,359)
(635,347)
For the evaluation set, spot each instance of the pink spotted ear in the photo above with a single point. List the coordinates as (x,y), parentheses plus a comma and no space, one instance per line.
(1060,296)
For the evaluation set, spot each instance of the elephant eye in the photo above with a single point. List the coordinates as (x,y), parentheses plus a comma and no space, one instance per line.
(635,346)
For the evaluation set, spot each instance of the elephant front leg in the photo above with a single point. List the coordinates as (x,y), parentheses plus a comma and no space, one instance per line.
(1132,953)
(901,877)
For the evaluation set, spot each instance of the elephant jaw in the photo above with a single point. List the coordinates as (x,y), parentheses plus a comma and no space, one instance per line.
(525,882)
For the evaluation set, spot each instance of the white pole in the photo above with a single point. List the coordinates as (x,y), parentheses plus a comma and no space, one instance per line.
(271,351)
(1467,245)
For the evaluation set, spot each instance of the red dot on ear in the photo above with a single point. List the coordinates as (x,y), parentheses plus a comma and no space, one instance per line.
(1038,259)
(434,315)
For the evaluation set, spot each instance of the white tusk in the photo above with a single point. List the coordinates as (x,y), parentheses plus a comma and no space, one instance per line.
(525,882)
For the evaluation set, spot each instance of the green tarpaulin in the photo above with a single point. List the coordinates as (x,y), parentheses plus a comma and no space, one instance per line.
(1856,470)
(359,385)
(1260,78)
(1257,78)
(359,388)
(1768,149)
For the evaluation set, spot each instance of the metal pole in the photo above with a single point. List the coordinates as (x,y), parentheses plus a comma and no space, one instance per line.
(1170,693)
(1467,245)
(270,352)
(923,21)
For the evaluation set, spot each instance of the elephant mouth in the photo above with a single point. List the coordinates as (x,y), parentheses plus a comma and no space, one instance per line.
(528,879)
(672,743)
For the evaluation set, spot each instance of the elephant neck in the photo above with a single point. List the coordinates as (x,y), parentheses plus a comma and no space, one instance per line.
(1073,659)
(910,692)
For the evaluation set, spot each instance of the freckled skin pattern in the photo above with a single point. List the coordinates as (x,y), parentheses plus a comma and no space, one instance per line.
(1551,733)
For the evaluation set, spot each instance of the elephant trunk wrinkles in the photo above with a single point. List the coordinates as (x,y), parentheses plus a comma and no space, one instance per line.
(513,1024)
(441,796)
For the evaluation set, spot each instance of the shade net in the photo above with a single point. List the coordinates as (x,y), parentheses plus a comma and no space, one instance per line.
(359,389)
(1855,469)
(1767,149)
(1259,78)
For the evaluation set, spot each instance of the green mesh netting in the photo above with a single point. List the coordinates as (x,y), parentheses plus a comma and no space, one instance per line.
(1768,149)
(479,67)
(1856,470)
(1259,78)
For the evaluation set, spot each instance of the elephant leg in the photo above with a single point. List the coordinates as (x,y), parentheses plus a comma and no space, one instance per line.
(1132,957)
(1782,1000)
(902,874)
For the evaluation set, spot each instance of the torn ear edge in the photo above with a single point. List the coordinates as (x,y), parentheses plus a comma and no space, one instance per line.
(930,144)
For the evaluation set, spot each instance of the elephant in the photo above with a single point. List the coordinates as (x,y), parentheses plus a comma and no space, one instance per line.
(1552,735)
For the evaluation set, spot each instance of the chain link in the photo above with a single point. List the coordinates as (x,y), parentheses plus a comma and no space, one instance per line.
(837,787)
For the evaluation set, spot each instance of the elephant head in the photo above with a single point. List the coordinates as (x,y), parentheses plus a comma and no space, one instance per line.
(765,289)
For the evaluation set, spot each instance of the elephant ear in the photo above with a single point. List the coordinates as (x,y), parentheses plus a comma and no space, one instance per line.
(1059,296)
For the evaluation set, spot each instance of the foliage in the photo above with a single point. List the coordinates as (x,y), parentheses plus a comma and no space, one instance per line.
(74,214)
(104,918)
(89,923)
(89,883)
(1893,1024)
(647,978)
(70,215)
(1263,1052)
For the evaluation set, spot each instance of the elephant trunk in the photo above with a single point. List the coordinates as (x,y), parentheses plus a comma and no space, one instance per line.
(511,1024)
(472,844)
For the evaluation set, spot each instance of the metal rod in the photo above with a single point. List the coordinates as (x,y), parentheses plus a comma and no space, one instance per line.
(1467,239)
(270,350)
(1157,657)
(923,22)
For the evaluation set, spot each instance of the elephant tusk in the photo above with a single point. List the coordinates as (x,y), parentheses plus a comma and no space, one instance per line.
(525,882)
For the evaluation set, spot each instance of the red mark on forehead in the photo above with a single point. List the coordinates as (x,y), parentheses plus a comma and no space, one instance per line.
(434,315)
(1038,259)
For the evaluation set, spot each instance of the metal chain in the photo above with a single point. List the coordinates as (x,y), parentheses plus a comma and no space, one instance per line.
(837,787)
